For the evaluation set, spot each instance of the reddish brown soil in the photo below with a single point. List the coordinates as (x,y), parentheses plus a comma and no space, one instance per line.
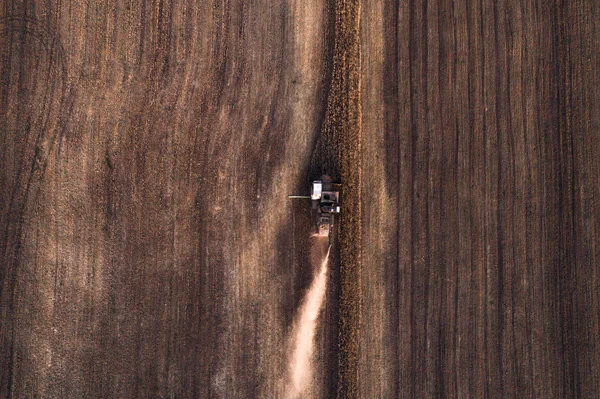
(147,248)
(481,202)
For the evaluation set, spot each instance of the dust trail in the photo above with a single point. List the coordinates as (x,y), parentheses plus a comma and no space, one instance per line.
(300,367)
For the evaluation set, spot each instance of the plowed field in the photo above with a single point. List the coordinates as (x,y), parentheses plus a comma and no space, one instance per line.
(148,248)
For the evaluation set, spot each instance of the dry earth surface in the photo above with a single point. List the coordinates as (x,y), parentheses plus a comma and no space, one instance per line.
(147,248)
(481,199)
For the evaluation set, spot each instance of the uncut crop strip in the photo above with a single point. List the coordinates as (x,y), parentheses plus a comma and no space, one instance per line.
(339,148)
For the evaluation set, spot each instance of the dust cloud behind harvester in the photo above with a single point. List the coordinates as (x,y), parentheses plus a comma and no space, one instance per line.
(302,339)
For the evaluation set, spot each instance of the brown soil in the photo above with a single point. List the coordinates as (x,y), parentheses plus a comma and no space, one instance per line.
(147,248)
(480,199)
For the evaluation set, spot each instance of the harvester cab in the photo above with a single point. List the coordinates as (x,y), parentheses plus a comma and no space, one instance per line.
(325,197)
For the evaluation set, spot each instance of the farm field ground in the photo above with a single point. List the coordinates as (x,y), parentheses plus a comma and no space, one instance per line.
(148,248)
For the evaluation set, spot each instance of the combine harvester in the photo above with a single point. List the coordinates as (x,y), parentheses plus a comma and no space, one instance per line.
(325,196)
